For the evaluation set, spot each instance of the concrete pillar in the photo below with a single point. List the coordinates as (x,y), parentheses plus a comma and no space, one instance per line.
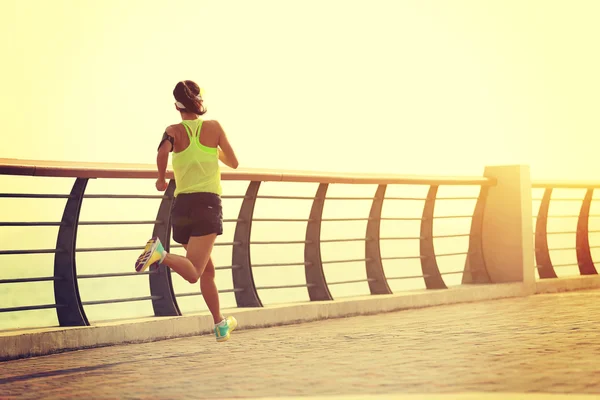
(507,231)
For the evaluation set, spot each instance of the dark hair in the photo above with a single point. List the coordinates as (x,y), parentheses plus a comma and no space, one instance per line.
(186,93)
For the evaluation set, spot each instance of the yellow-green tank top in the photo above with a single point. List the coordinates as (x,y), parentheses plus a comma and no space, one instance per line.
(196,168)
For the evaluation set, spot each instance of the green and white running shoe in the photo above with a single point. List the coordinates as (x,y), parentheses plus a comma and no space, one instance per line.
(224,328)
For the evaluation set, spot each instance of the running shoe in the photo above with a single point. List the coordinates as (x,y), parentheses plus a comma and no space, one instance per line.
(153,253)
(223,330)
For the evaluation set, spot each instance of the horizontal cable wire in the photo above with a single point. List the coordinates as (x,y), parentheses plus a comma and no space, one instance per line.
(28,308)
(401,238)
(27,280)
(283,242)
(406,277)
(200,293)
(402,219)
(227,267)
(125,300)
(27,223)
(456,198)
(119,248)
(560,248)
(345,240)
(115,274)
(124,196)
(352,281)
(287,197)
(566,265)
(290,264)
(345,261)
(35,251)
(403,258)
(344,219)
(452,254)
(406,198)
(180,246)
(34,196)
(451,236)
(564,216)
(281,220)
(563,199)
(285,286)
(558,265)
(451,216)
(157,222)
(350,198)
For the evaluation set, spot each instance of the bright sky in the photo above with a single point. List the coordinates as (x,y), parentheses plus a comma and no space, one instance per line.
(427,86)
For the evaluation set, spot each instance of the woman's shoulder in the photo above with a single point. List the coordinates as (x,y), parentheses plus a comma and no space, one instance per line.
(213,124)
(173,129)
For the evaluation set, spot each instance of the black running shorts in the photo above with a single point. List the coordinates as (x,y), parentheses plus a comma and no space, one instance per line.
(196,214)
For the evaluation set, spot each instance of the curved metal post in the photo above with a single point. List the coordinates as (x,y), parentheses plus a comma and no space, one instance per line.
(431,272)
(161,285)
(475,270)
(313,268)
(66,291)
(584,254)
(243,281)
(375,272)
(542,254)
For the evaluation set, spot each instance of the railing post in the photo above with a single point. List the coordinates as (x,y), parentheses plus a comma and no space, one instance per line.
(542,254)
(161,285)
(584,254)
(313,268)
(243,281)
(475,271)
(375,272)
(507,230)
(66,291)
(431,272)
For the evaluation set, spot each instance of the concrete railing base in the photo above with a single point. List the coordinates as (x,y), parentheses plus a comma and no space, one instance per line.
(36,342)
(568,284)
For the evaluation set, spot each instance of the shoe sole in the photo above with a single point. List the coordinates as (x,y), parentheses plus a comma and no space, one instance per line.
(146,253)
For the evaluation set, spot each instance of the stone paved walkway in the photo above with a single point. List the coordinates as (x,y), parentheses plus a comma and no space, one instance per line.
(544,344)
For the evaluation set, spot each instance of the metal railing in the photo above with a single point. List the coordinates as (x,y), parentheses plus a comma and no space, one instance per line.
(70,308)
(583,250)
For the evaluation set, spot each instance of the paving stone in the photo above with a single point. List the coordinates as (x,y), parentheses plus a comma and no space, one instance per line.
(539,344)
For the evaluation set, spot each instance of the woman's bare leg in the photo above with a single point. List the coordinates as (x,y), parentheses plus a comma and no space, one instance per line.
(183,266)
(192,265)
(210,292)
(207,279)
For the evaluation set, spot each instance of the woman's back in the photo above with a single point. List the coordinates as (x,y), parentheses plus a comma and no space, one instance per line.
(196,156)
(209,135)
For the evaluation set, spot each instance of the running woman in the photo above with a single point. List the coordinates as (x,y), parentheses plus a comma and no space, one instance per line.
(196,216)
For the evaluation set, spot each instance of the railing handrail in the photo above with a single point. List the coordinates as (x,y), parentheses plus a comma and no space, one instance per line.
(70,169)
(559,184)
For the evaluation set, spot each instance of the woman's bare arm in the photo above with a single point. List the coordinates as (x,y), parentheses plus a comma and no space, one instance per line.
(162,158)
(226,153)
